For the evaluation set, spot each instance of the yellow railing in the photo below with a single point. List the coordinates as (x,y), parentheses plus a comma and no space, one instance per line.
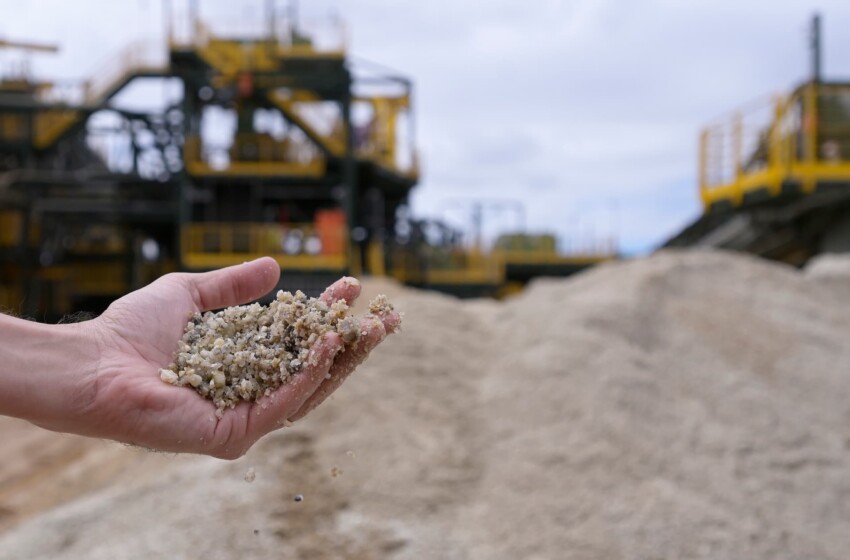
(232,51)
(462,267)
(738,143)
(311,37)
(233,48)
(542,249)
(273,158)
(447,267)
(137,58)
(377,140)
(801,139)
(292,110)
(225,56)
(140,57)
(542,257)
(294,246)
(50,124)
(383,138)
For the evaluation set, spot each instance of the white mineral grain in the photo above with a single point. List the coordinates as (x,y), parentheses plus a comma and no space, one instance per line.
(168,376)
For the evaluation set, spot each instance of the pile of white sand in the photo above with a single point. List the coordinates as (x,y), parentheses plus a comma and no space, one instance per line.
(689,405)
(832,272)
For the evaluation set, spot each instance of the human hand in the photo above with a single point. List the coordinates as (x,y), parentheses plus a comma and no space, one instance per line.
(137,335)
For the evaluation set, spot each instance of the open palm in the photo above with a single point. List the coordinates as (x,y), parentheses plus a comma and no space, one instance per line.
(138,335)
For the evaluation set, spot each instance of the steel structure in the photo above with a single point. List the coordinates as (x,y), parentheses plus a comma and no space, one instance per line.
(315,170)
(78,230)
(774,176)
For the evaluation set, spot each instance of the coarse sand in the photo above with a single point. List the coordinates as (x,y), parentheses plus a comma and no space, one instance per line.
(687,405)
(244,352)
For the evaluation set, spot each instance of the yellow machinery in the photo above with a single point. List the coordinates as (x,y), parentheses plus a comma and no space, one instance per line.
(315,153)
(774,176)
(791,145)
(525,257)
(97,200)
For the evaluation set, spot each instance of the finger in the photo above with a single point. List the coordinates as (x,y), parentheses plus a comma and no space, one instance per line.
(391,321)
(345,289)
(234,285)
(271,412)
(373,331)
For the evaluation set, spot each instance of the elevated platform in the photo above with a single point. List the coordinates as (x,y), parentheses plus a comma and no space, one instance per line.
(777,147)
(775,177)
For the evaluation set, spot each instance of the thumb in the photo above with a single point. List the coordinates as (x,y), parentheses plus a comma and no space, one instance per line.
(234,285)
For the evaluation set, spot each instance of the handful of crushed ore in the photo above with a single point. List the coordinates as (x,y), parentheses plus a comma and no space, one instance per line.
(248,351)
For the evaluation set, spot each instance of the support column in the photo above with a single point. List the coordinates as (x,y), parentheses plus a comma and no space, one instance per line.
(349,168)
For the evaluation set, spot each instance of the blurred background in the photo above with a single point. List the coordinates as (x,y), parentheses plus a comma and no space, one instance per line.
(467,148)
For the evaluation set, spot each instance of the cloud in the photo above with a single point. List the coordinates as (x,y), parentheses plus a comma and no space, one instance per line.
(574,107)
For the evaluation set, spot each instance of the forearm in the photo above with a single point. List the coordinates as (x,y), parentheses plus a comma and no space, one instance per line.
(47,372)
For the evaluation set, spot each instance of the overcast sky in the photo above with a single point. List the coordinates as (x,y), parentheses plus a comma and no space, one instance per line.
(588,110)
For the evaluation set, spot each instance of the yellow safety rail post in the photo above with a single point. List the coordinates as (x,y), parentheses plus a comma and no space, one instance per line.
(703,166)
(810,126)
(792,129)
(375,258)
(737,146)
(777,148)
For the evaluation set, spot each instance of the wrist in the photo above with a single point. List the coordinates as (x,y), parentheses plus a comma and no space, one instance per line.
(47,372)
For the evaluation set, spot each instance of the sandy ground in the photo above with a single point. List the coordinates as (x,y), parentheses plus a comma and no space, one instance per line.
(689,405)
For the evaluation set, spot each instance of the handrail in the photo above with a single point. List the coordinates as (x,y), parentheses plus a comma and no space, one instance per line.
(327,36)
(265,239)
(793,143)
(728,147)
(327,142)
(447,266)
(137,57)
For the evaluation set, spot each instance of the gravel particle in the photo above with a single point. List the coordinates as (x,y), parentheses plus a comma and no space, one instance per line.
(380,305)
(168,376)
